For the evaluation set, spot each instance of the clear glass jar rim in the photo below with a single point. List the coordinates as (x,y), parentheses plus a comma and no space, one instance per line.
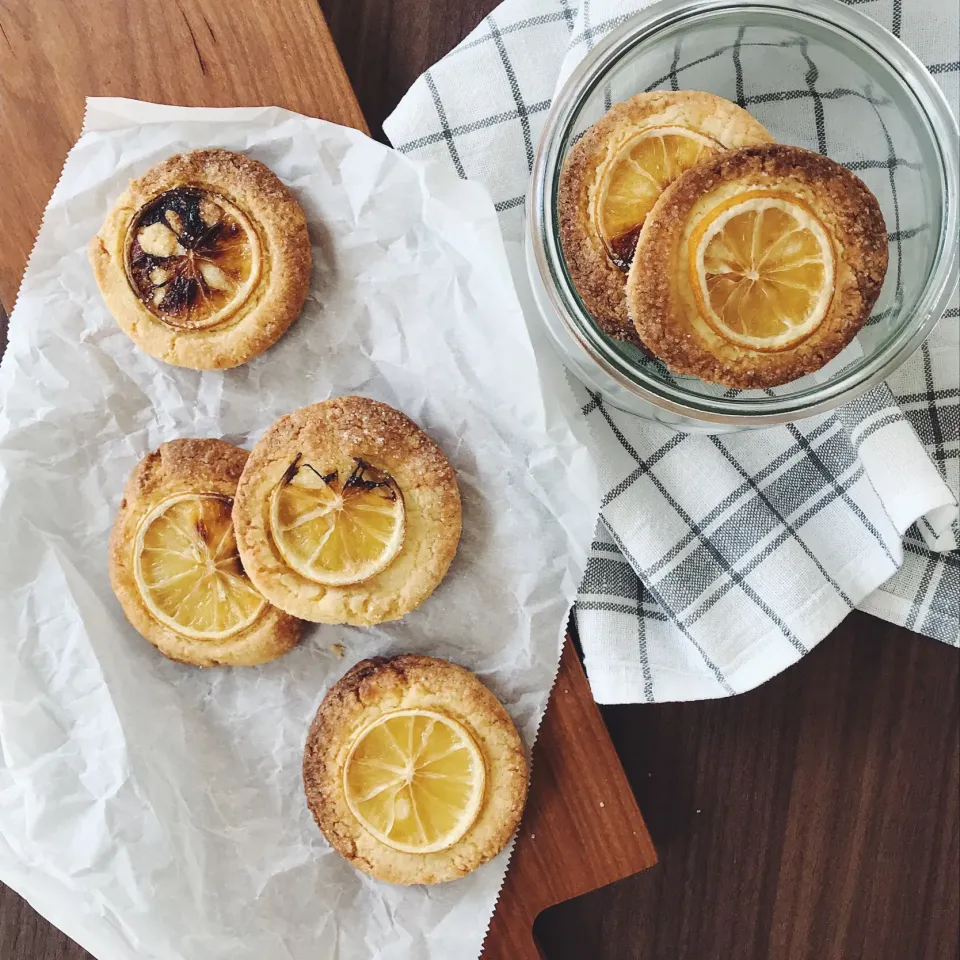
(857,28)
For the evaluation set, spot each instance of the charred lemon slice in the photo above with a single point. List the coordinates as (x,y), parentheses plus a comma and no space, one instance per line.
(204,260)
(340,527)
(193,258)
(415,779)
(188,570)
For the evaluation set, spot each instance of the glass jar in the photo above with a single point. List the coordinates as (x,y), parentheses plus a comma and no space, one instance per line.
(822,76)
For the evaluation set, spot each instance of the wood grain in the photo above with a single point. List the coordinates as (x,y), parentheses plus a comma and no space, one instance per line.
(386,45)
(581,829)
(815,818)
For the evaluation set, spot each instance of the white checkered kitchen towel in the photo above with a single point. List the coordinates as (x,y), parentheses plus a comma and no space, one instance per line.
(719,561)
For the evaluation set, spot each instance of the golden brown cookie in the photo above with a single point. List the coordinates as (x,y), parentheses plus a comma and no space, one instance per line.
(614,174)
(347,512)
(174,564)
(204,261)
(414,771)
(757,266)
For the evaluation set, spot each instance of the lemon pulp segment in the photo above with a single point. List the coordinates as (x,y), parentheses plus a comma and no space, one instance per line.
(188,571)
(340,527)
(415,780)
(762,270)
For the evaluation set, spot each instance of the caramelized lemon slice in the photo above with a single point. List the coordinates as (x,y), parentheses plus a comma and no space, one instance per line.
(415,780)
(630,182)
(762,270)
(188,571)
(192,257)
(337,528)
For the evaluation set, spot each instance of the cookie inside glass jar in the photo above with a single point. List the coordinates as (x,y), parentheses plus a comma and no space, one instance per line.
(614,175)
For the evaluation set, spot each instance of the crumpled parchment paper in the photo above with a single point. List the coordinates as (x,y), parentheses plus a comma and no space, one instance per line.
(155,811)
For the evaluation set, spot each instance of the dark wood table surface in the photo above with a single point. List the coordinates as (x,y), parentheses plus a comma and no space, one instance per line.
(817,818)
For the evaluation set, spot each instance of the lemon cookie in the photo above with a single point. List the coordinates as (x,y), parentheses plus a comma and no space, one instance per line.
(757,266)
(204,261)
(347,512)
(174,564)
(613,176)
(414,771)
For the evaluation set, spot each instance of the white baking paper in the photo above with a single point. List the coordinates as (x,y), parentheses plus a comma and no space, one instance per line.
(155,811)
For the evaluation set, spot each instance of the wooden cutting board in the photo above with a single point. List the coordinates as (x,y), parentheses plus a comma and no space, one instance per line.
(582,828)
